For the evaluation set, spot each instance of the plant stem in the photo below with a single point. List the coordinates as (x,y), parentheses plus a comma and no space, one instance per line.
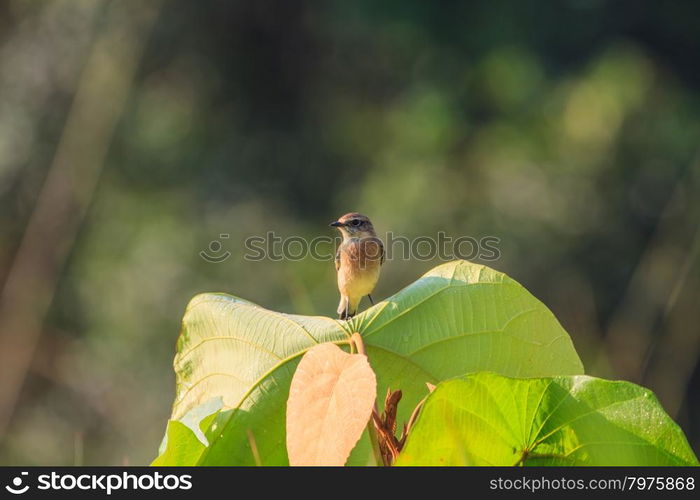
(356,339)
(374,440)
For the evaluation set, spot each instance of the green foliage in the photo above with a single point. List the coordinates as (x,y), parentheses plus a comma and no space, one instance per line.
(460,317)
(184,440)
(488,419)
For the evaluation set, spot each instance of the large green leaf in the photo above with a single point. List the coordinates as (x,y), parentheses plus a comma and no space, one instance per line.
(459,317)
(488,419)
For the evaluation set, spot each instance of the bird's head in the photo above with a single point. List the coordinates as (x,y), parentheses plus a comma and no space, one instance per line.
(354,225)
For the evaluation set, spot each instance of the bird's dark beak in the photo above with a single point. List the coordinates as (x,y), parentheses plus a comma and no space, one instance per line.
(336,223)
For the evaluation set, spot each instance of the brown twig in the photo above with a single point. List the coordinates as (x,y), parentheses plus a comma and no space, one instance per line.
(382,427)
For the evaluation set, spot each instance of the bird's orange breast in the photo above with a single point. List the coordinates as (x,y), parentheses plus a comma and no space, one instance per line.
(360,261)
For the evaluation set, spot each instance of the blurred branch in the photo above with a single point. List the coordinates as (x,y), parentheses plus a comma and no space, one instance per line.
(654,289)
(676,353)
(71,180)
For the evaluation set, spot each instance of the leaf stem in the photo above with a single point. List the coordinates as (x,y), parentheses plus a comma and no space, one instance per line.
(356,340)
(254,447)
(374,440)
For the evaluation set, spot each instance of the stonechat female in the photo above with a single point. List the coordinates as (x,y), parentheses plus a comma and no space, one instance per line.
(358,261)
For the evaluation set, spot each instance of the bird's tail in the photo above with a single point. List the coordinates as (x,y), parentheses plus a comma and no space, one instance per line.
(348,307)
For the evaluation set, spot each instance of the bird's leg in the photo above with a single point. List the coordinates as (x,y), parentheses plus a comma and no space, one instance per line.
(347,310)
(370,299)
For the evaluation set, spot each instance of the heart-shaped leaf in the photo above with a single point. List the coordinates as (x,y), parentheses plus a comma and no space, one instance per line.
(330,402)
(488,419)
(459,317)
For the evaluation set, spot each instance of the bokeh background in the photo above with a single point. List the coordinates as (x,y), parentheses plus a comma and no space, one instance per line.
(133,134)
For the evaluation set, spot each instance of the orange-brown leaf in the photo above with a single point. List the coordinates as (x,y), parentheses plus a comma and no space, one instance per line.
(330,402)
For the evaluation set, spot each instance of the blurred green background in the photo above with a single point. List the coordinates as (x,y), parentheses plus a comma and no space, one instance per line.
(133,134)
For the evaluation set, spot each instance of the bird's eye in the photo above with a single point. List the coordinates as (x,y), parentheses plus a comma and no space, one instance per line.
(355,222)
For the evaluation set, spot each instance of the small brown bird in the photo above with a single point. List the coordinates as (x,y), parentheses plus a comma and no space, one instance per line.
(358,260)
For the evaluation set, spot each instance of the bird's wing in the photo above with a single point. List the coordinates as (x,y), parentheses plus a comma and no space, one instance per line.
(381,246)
